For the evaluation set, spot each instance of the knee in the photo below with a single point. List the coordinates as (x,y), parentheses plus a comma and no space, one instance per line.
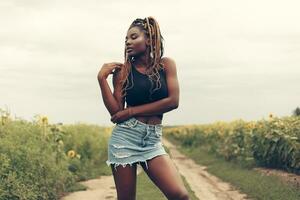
(184,196)
(180,196)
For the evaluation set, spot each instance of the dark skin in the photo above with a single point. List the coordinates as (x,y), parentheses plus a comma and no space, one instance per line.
(161,169)
(147,113)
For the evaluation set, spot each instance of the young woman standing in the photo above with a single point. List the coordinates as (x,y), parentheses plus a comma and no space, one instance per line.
(148,83)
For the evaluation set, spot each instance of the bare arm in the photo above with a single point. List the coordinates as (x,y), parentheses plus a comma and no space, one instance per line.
(166,104)
(155,108)
(118,90)
(110,100)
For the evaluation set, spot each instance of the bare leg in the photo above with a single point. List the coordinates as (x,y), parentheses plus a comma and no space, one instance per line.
(125,181)
(163,173)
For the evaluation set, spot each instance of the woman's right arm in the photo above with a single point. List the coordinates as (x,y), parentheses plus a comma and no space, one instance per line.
(111,101)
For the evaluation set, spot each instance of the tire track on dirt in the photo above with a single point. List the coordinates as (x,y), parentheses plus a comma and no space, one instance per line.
(205,185)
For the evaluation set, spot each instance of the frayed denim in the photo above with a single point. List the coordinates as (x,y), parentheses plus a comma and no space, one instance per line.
(133,141)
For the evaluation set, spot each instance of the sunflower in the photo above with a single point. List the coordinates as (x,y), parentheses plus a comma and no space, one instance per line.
(71,153)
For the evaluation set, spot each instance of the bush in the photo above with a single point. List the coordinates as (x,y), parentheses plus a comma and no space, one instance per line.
(29,168)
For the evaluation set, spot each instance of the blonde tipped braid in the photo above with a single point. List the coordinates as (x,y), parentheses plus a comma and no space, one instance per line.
(151,28)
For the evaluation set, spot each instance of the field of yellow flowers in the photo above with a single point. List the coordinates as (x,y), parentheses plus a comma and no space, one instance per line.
(272,142)
(39,160)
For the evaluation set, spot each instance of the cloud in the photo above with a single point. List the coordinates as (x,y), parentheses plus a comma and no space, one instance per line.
(234,53)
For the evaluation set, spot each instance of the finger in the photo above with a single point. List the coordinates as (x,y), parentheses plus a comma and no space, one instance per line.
(118,63)
(117,67)
(116,120)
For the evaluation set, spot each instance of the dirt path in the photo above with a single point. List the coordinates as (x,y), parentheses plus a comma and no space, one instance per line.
(101,188)
(205,186)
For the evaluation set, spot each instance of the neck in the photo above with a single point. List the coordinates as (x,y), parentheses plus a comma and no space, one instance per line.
(142,59)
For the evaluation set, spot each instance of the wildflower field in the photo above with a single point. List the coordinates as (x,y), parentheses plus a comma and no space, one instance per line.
(272,142)
(39,160)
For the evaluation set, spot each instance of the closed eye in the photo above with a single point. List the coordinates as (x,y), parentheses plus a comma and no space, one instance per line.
(133,36)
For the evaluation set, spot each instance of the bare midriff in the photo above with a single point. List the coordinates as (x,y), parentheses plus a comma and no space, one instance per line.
(154,119)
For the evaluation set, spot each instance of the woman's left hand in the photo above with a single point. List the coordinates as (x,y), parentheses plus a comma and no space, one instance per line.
(121,115)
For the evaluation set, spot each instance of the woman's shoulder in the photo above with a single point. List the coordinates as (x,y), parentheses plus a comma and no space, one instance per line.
(168,63)
(167,59)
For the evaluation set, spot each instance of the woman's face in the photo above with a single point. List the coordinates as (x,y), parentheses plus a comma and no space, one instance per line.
(135,42)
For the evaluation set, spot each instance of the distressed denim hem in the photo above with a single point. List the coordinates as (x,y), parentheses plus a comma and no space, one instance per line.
(116,164)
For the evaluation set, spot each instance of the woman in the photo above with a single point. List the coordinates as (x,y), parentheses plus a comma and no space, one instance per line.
(148,83)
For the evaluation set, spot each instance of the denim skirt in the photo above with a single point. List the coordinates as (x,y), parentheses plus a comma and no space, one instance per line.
(133,141)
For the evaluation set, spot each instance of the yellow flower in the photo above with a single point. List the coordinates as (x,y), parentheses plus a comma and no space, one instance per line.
(270,115)
(45,120)
(71,153)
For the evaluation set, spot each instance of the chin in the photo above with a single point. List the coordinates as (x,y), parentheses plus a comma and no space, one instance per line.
(130,54)
(135,54)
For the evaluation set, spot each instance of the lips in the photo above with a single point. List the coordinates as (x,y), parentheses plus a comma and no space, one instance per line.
(129,49)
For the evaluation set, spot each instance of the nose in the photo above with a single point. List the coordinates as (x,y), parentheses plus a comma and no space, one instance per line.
(127,43)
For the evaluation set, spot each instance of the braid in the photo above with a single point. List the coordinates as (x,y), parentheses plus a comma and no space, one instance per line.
(151,29)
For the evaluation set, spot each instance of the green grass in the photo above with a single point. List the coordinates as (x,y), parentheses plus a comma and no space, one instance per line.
(187,186)
(253,183)
(77,187)
(147,190)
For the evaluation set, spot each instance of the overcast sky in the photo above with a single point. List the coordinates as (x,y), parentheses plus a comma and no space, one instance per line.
(235,59)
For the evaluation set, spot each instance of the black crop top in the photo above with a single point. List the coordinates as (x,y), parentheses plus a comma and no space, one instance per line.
(139,93)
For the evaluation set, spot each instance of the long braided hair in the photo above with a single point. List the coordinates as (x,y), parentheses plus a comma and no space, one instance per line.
(151,30)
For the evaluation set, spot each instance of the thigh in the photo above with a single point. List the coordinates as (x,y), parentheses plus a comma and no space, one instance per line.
(125,181)
(164,174)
